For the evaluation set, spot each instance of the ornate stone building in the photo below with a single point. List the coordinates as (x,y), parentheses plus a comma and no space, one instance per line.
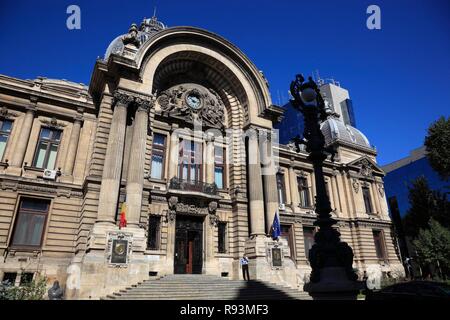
(177,123)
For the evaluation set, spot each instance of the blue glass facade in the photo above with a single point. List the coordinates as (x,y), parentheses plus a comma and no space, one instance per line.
(397,181)
(291,125)
(347,112)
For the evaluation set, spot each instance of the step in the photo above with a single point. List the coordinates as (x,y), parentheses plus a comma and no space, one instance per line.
(205,287)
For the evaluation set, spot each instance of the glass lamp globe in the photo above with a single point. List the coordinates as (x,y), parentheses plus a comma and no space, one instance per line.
(309,95)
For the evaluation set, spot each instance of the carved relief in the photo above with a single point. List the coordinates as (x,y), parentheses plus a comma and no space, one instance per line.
(212,207)
(6,114)
(366,168)
(213,220)
(172,212)
(381,190)
(53,123)
(355,184)
(190,102)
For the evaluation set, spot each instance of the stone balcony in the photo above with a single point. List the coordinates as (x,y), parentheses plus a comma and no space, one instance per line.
(177,185)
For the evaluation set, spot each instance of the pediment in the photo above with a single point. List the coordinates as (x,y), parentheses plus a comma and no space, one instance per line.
(366,167)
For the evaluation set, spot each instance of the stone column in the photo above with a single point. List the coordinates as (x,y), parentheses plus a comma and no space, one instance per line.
(135,177)
(375,198)
(210,159)
(255,186)
(173,154)
(24,137)
(270,181)
(294,189)
(73,146)
(112,168)
(333,187)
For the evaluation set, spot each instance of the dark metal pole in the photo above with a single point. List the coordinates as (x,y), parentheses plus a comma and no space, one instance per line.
(328,250)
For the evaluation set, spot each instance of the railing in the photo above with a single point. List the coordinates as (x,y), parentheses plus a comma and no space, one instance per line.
(193,185)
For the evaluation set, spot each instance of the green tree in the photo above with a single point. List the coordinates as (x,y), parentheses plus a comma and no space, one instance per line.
(437,143)
(424,205)
(433,246)
(35,290)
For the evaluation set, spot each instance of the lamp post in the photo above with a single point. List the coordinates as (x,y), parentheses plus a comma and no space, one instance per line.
(332,275)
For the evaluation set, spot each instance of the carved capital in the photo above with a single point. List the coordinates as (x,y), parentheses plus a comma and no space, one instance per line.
(144,103)
(78,118)
(123,98)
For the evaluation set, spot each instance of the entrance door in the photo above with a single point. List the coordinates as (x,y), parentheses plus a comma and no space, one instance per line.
(188,245)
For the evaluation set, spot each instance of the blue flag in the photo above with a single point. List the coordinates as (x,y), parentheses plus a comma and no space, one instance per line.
(276,228)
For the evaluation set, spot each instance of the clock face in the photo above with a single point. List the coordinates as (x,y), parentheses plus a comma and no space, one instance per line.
(193,100)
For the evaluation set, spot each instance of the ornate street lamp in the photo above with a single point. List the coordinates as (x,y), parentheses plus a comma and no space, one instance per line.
(331,260)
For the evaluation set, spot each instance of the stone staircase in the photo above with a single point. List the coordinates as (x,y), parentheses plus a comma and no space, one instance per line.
(206,287)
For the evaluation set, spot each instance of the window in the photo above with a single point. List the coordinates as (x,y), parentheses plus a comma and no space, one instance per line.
(47,149)
(26,278)
(5,131)
(366,196)
(222,234)
(308,237)
(219,167)
(10,278)
(281,190)
(191,161)
(158,151)
(154,227)
(30,223)
(303,191)
(378,238)
(286,233)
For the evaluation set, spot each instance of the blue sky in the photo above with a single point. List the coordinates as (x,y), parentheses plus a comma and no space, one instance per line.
(398,77)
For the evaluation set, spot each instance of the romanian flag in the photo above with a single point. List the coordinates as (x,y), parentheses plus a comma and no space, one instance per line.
(123,219)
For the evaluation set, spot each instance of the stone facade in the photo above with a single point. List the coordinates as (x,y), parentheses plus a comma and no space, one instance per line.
(182,84)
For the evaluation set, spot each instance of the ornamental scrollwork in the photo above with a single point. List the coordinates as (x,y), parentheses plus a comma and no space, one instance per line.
(174,102)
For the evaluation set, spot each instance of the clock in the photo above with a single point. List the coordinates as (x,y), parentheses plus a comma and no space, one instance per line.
(193,100)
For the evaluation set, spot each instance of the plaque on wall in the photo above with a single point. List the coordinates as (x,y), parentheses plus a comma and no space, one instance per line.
(119,249)
(276,257)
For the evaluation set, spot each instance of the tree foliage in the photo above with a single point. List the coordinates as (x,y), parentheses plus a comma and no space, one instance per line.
(433,245)
(425,204)
(35,290)
(437,143)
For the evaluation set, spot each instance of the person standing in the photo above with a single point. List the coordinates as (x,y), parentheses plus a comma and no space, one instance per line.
(244,264)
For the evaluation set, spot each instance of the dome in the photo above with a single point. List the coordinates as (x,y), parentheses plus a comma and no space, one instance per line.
(146,30)
(333,129)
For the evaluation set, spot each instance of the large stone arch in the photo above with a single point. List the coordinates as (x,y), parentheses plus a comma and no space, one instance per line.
(219,55)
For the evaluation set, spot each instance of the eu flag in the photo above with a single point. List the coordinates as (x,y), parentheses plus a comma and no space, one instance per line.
(276,228)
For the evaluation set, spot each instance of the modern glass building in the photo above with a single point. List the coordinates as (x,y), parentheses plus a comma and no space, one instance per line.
(400,175)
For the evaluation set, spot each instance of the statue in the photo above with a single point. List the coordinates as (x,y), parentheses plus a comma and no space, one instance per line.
(132,36)
(55,292)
